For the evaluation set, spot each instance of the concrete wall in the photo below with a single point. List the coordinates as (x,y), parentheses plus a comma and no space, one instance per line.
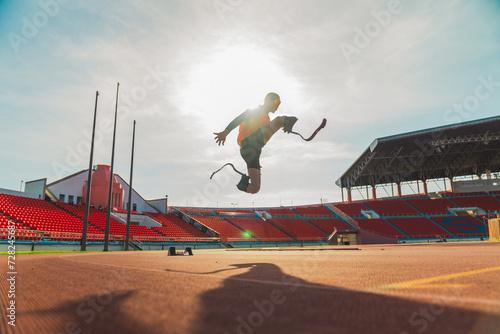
(71,186)
(17,193)
(75,186)
(141,204)
(476,186)
(36,187)
(368,238)
(141,220)
(160,205)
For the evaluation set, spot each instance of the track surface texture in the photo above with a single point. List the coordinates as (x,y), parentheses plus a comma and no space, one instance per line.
(402,289)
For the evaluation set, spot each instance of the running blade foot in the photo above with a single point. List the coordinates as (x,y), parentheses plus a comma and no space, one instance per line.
(289,123)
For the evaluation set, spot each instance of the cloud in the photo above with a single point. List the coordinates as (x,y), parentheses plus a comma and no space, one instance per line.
(212,68)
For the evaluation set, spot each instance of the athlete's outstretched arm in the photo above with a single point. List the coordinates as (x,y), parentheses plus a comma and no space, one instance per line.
(220,137)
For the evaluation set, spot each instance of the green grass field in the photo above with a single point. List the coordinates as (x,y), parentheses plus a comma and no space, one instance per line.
(47,252)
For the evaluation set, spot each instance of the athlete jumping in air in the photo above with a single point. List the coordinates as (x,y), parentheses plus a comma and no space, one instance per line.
(256,129)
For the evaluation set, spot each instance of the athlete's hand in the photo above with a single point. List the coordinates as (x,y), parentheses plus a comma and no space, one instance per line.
(220,138)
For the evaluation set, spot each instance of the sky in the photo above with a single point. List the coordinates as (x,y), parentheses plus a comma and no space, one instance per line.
(186,68)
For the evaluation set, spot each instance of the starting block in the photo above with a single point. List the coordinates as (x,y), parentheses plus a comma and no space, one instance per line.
(172,252)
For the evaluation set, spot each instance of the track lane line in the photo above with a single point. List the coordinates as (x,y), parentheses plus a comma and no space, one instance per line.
(423,282)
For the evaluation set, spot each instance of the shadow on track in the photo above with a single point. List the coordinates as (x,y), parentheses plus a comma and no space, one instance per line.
(266,300)
(102,313)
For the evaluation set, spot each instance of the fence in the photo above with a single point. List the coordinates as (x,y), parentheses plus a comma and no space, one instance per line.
(32,235)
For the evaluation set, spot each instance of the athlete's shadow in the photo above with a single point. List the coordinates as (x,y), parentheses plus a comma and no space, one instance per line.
(102,313)
(263,299)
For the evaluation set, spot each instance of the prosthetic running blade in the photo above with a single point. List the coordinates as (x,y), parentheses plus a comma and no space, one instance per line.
(321,126)
(228,164)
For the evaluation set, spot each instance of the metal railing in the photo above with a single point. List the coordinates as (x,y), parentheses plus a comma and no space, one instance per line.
(267,240)
(74,236)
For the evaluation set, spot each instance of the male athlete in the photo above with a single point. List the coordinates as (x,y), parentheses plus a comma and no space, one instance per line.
(255,131)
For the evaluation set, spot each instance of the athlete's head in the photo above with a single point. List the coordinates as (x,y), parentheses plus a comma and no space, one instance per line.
(272,102)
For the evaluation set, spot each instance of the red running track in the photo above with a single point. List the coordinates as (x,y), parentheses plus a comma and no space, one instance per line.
(431,288)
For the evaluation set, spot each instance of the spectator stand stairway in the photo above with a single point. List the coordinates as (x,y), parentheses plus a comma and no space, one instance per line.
(213,225)
(263,231)
(268,218)
(179,230)
(241,226)
(97,221)
(245,235)
(325,220)
(77,210)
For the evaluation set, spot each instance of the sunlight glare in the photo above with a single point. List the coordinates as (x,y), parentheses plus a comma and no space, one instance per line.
(231,81)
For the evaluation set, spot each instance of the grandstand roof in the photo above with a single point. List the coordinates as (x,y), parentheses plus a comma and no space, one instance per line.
(460,149)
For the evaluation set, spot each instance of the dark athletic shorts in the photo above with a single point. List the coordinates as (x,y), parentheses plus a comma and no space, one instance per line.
(251,148)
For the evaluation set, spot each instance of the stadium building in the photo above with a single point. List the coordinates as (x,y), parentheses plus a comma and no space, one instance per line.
(464,158)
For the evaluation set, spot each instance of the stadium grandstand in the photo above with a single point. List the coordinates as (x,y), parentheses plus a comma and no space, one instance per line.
(466,156)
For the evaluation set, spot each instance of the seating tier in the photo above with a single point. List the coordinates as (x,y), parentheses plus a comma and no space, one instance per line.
(260,229)
(380,226)
(314,211)
(328,225)
(173,226)
(462,226)
(301,228)
(392,208)
(418,227)
(222,227)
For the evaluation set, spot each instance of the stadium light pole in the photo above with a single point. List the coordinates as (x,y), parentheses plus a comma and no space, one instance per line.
(89,182)
(127,239)
(110,192)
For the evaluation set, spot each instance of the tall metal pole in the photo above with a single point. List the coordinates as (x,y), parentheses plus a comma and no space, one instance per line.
(130,189)
(110,192)
(89,183)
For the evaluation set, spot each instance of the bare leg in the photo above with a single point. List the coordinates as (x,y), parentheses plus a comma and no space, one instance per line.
(254,185)
(268,131)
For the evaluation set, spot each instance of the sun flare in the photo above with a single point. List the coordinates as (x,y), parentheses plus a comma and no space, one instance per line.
(232,80)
